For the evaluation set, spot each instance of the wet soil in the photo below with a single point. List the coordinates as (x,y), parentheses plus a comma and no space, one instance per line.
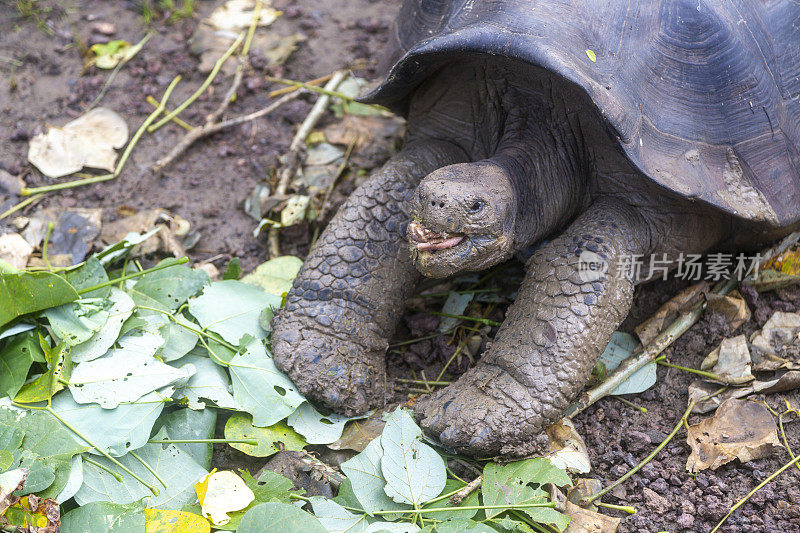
(42,82)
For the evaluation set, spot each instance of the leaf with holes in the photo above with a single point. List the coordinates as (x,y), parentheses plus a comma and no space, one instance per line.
(45,386)
(174,467)
(104,517)
(364,471)
(260,389)
(27,292)
(414,472)
(16,359)
(119,430)
(316,427)
(521,482)
(210,382)
(98,344)
(123,375)
(240,426)
(76,322)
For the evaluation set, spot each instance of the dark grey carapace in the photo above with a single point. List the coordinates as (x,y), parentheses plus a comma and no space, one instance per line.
(603,129)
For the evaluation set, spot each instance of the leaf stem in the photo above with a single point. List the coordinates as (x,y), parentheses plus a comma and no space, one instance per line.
(148,467)
(166,264)
(678,426)
(471,318)
(252,442)
(213,74)
(624,508)
(198,332)
(105,454)
(24,203)
(46,244)
(101,466)
(467,508)
(631,404)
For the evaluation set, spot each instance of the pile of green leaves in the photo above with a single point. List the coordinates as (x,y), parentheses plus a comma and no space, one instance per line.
(107,369)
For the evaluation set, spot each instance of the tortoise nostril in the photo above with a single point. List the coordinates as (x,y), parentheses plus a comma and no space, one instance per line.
(441,204)
(433,203)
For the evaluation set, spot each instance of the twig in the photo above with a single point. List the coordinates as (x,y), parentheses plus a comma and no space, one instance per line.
(462,494)
(198,133)
(681,422)
(24,203)
(631,404)
(293,156)
(741,502)
(177,120)
(727,380)
(200,90)
(292,88)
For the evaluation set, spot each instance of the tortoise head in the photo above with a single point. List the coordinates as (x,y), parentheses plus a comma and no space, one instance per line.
(462,219)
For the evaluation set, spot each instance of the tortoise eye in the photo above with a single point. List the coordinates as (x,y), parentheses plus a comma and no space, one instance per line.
(476,206)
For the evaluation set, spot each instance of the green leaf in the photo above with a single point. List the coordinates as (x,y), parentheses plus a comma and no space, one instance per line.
(175,468)
(470,501)
(210,381)
(233,270)
(270,486)
(276,275)
(456,304)
(90,274)
(240,426)
(591,55)
(76,322)
(99,343)
(334,517)
(169,288)
(16,329)
(45,386)
(458,526)
(104,517)
(123,375)
(277,517)
(119,430)
(620,348)
(179,339)
(346,497)
(189,424)
(49,444)
(521,482)
(316,427)
(74,480)
(364,471)
(260,389)
(414,472)
(16,360)
(231,308)
(27,292)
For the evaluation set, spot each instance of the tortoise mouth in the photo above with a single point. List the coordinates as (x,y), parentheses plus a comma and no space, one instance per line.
(426,240)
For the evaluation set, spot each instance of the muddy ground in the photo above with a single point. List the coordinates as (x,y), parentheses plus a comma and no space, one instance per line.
(42,82)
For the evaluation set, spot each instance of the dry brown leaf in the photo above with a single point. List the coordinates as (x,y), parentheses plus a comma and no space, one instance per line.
(650,328)
(779,381)
(740,429)
(165,241)
(358,433)
(566,448)
(730,305)
(10,482)
(776,345)
(730,360)
(15,250)
(586,521)
(362,130)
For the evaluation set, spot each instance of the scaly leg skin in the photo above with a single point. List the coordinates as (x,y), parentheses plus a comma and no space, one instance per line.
(545,350)
(332,336)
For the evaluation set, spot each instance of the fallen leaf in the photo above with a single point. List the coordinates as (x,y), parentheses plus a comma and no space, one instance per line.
(166,521)
(619,348)
(780,381)
(32,513)
(270,439)
(585,521)
(276,275)
(730,360)
(295,210)
(220,493)
(10,482)
(567,450)
(740,429)
(15,250)
(730,305)
(235,15)
(88,141)
(650,328)
(779,335)
(359,433)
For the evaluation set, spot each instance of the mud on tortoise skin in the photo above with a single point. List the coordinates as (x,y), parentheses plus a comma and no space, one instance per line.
(683,135)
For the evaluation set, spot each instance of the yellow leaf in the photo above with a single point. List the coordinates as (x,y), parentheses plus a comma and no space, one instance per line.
(220,493)
(591,55)
(163,521)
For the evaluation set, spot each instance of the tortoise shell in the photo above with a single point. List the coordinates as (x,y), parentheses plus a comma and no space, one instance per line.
(702,96)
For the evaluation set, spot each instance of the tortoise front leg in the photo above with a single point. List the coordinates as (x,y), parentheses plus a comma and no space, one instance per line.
(552,336)
(343,307)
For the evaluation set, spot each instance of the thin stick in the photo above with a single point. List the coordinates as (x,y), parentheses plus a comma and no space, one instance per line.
(741,502)
(252,442)
(148,467)
(471,318)
(462,494)
(181,261)
(293,156)
(631,404)
(202,88)
(678,426)
(198,133)
(729,380)
(177,120)
(24,203)
(292,88)
(452,358)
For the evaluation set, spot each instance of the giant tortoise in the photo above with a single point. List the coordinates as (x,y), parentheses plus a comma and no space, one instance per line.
(551,129)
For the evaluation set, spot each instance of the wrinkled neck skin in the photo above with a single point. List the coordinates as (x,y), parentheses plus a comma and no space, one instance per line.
(528,163)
